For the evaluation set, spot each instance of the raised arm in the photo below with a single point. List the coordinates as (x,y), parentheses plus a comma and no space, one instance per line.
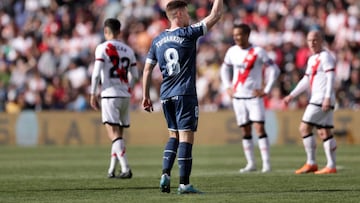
(215,14)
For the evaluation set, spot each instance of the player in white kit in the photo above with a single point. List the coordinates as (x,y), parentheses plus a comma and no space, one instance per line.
(113,61)
(319,79)
(246,86)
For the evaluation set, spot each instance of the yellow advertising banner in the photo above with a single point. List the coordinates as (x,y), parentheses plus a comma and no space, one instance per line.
(215,128)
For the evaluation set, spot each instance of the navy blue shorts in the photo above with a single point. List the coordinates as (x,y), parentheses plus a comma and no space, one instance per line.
(181,113)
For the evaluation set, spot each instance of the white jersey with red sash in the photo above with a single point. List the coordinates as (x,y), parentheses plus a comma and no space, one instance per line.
(113,61)
(319,67)
(247,66)
(319,79)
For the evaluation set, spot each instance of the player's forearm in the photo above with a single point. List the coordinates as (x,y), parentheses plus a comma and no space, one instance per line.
(95,77)
(215,14)
(146,81)
(225,76)
(94,84)
(134,76)
(330,76)
(273,74)
(300,87)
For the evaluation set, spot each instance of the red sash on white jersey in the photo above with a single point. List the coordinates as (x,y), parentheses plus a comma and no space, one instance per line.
(115,60)
(249,64)
(314,70)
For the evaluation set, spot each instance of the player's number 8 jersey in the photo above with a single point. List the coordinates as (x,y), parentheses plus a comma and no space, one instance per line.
(175,51)
(172,61)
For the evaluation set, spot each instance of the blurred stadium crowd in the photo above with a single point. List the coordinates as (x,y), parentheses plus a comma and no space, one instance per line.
(47,47)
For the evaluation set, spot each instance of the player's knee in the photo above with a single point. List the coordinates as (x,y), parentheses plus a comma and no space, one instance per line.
(304,129)
(259,129)
(324,134)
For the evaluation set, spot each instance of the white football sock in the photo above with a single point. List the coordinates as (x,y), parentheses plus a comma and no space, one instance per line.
(310,149)
(119,149)
(248,147)
(330,152)
(113,161)
(264,147)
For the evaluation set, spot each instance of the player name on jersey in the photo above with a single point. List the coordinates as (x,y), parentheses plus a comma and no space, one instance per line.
(166,39)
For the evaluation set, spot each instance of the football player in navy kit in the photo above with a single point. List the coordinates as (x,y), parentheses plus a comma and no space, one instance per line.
(175,52)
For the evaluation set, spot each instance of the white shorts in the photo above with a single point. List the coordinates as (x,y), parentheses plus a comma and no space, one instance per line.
(115,111)
(315,116)
(249,110)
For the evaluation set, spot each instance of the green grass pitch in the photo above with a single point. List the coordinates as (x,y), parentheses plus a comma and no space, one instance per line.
(78,174)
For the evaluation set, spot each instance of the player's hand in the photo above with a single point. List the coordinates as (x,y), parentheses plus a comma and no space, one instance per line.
(258,93)
(147,105)
(287,99)
(230,91)
(326,105)
(94,102)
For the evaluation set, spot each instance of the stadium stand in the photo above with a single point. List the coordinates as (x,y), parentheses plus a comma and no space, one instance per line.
(46,47)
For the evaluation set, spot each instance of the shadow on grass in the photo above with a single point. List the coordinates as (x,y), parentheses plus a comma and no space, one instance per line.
(205,192)
(157,188)
(84,189)
(289,191)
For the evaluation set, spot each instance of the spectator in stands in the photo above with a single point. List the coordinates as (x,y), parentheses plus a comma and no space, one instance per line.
(48,34)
